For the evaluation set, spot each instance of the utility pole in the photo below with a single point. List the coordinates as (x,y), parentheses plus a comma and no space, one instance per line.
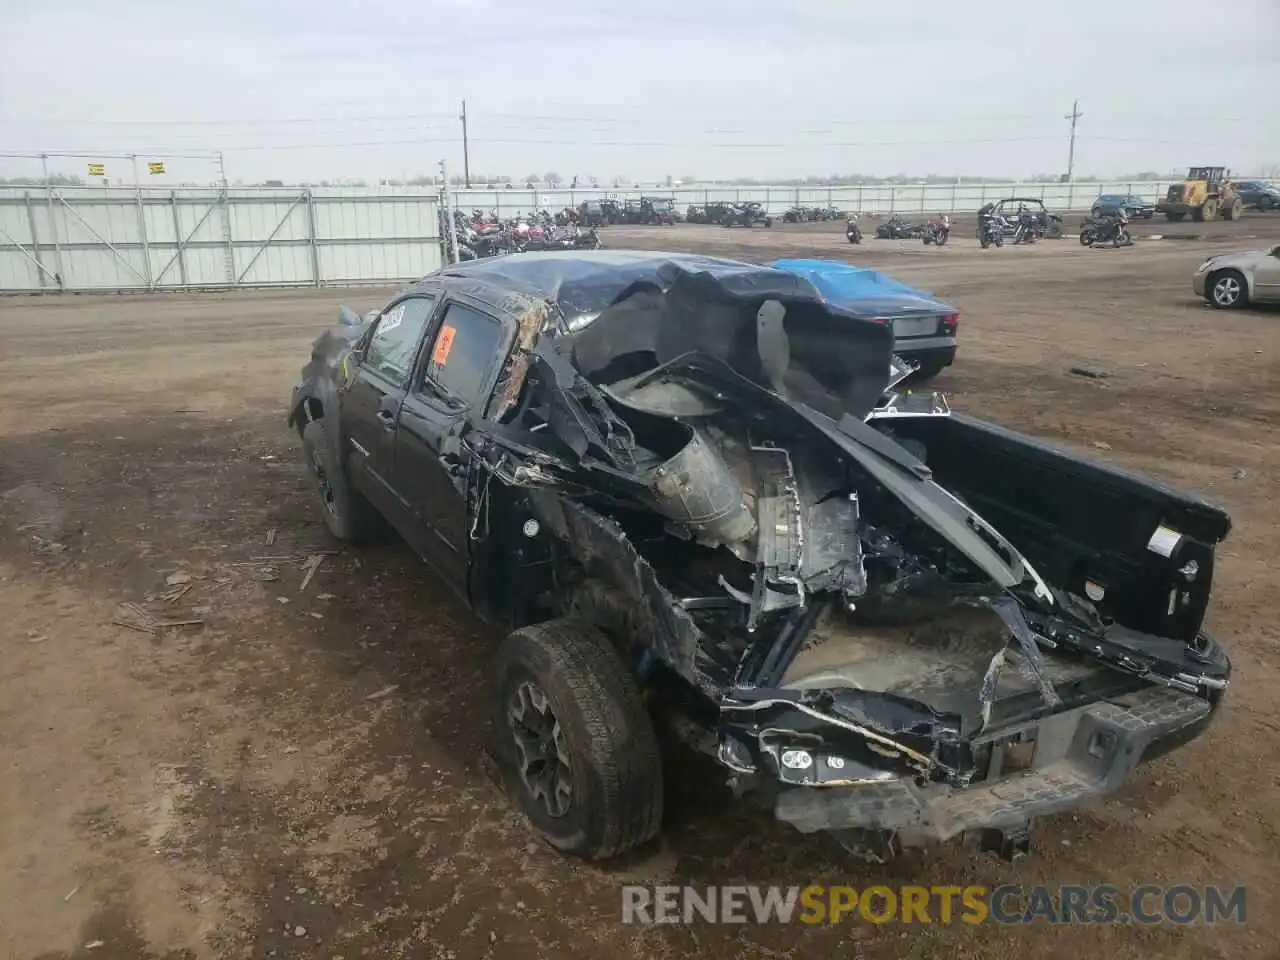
(1073,116)
(224,215)
(466,158)
(451,234)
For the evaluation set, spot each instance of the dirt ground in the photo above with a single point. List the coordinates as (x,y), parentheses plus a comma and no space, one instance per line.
(302,773)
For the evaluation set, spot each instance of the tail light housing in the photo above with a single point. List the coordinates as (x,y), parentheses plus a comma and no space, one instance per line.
(950,323)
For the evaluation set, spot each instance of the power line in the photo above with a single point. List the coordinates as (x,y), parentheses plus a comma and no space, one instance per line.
(694,144)
(722,145)
(509,119)
(245,121)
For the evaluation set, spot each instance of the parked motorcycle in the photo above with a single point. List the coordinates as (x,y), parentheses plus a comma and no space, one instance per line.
(1029,229)
(1113,230)
(853,232)
(571,237)
(586,239)
(990,231)
(937,231)
(895,228)
(567,216)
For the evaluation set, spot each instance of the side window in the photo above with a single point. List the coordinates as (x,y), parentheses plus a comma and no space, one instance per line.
(463,352)
(395,338)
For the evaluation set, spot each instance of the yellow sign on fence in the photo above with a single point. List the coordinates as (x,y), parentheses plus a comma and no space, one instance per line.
(97,170)
(156,167)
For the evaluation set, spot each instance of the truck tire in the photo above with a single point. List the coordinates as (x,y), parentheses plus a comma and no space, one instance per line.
(1233,210)
(573,740)
(347,514)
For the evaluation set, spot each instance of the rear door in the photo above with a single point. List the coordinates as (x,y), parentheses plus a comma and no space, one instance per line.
(455,379)
(370,408)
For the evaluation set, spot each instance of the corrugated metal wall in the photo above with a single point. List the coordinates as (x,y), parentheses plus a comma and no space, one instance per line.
(96,238)
(103,238)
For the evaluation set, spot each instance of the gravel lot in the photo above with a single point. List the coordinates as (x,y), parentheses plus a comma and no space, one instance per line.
(303,773)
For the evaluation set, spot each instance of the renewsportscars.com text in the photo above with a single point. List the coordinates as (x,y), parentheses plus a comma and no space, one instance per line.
(1009,904)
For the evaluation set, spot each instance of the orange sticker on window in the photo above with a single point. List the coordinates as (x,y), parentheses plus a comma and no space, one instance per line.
(444,343)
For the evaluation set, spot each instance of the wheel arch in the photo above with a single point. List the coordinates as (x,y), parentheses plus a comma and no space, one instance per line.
(1213,276)
(315,399)
(620,588)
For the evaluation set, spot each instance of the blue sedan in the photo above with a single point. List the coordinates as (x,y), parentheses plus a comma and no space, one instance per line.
(924,327)
(1135,207)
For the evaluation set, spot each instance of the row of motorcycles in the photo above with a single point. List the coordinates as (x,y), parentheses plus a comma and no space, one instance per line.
(1027,228)
(936,231)
(481,234)
(1024,228)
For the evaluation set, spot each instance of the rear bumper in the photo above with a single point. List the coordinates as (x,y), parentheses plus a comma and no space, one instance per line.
(1078,754)
(927,351)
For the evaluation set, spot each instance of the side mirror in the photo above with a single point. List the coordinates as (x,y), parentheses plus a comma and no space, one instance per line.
(348,317)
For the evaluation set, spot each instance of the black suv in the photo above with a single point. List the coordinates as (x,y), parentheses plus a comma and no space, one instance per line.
(686,485)
(598,213)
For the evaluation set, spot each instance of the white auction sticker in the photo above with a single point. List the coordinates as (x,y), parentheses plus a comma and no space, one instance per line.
(1164,541)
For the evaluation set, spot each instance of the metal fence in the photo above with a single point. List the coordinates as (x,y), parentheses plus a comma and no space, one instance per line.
(869,199)
(118,239)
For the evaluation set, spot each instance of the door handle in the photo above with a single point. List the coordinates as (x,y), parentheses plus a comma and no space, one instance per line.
(387,419)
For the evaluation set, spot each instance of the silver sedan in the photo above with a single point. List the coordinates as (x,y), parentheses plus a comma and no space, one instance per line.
(1238,279)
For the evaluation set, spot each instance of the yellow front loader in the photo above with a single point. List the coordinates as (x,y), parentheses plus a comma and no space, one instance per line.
(1206,194)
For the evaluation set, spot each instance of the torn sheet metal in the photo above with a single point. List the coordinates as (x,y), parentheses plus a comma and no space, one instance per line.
(659,622)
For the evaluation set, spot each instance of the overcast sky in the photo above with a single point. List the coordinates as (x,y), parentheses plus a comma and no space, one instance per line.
(712,88)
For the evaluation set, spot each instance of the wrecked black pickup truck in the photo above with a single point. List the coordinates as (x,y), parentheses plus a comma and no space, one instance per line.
(694,493)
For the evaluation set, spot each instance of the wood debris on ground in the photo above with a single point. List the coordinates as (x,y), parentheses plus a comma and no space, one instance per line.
(136,617)
(312,565)
(177,593)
